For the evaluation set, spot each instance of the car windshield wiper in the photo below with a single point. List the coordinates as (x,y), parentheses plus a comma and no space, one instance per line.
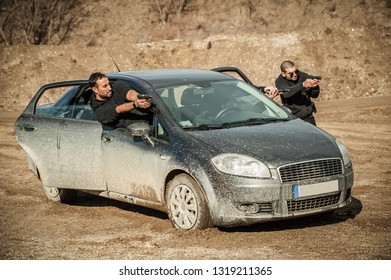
(253,121)
(205,127)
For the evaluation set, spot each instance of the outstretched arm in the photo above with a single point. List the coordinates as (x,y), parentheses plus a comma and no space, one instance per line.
(130,96)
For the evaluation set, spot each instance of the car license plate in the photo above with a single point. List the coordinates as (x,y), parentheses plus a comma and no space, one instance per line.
(314,189)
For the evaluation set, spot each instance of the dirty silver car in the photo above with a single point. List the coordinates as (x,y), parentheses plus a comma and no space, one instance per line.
(217,153)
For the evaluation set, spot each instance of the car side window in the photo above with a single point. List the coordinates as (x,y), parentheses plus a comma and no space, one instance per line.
(66,102)
(56,102)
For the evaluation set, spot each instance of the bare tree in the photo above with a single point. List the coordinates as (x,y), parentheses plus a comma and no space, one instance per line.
(180,5)
(166,8)
(39,21)
(249,7)
(161,8)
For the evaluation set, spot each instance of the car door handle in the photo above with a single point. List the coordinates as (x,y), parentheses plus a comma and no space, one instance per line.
(163,157)
(27,127)
(107,139)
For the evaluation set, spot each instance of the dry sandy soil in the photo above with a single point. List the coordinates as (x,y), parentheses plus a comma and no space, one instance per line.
(97,228)
(347,42)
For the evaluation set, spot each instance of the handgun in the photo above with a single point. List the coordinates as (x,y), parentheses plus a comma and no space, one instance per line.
(143,96)
(315,77)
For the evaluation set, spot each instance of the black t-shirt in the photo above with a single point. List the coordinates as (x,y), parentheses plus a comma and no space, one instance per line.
(298,98)
(105,110)
(297,94)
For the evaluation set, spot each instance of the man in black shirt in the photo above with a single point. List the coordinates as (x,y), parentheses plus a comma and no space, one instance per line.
(117,106)
(301,87)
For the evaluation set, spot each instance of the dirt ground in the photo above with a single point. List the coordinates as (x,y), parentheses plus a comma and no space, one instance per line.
(98,228)
(347,42)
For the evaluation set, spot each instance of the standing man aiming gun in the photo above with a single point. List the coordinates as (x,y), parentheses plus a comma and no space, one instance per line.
(301,87)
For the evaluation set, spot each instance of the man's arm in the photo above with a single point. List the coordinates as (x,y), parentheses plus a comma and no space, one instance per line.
(311,85)
(126,107)
(129,95)
(282,83)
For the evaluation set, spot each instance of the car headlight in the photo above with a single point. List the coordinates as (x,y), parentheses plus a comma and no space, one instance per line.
(344,152)
(241,165)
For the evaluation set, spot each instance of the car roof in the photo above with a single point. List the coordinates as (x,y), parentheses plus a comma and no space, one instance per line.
(169,76)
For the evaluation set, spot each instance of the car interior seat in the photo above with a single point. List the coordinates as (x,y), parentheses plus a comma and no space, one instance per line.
(190,104)
(86,112)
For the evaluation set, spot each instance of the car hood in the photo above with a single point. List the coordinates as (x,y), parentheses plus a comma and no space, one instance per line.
(274,143)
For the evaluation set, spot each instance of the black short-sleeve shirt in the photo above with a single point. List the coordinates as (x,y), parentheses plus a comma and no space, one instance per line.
(105,110)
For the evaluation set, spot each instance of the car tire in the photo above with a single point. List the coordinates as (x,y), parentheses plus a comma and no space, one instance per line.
(60,195)
(187,206)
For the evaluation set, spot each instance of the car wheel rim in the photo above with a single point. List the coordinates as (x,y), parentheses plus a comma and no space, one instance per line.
(184,207)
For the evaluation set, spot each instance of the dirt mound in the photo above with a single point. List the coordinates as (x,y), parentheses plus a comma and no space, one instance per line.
(348,43)
(97,228)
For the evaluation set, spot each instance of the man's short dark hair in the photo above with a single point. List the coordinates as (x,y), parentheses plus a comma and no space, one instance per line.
(94,77)
(286,64)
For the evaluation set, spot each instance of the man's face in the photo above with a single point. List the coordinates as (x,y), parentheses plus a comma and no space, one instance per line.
(103,88)
(290,73)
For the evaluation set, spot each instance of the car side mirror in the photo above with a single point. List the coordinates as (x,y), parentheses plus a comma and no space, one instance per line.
(141,129)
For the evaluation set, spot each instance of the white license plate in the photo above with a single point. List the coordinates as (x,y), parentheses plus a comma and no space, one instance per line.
(314,189)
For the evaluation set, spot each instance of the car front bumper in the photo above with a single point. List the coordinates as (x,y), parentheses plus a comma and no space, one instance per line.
(243,201)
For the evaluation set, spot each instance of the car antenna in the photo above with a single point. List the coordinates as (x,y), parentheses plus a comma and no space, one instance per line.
(112,58)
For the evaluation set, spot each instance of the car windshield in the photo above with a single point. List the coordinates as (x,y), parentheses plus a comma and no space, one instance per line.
(220,104)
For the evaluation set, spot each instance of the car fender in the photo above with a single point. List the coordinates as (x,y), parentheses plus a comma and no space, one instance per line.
(199,174)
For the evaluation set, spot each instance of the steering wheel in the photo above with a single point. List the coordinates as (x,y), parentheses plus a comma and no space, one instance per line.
(225,111)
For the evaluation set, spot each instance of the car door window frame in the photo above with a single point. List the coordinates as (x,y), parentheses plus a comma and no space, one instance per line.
(67,105)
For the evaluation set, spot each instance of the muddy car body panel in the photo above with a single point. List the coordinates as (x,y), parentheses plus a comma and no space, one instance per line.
(218,151)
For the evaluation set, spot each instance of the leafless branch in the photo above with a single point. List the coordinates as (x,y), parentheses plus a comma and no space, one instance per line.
(39,21)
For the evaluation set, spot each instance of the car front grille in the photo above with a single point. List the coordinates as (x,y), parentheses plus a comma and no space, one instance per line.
(310,170)
(265,207)
(312,203)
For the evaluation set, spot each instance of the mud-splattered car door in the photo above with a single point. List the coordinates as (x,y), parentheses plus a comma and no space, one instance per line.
(132,166)
(79,147)
(80,155)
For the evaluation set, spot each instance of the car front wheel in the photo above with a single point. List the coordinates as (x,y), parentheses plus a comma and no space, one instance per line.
(187,205)
(60,195)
